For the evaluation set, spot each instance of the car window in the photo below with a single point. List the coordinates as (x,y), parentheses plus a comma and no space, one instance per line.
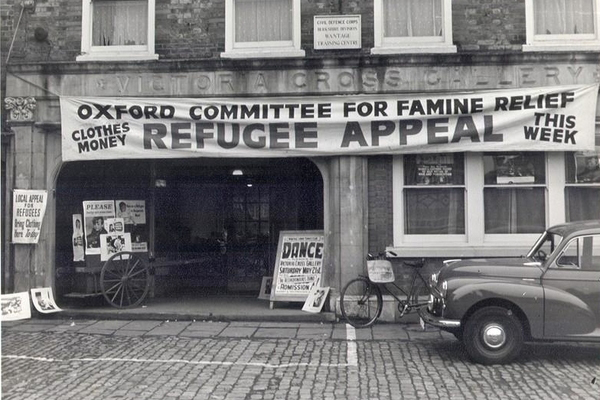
(569,257)
(544,246)
(582,253)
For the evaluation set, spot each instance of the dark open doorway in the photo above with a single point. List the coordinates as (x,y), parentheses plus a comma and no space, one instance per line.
(209,229)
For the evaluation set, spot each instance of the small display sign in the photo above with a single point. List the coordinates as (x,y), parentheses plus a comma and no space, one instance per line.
(333,32)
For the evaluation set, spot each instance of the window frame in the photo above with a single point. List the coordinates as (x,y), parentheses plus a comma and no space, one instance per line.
(89,52)
(267,49)
(401,45)
(475,242)
(567,42)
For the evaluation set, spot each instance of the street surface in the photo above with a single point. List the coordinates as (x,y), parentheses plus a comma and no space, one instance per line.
(64,359)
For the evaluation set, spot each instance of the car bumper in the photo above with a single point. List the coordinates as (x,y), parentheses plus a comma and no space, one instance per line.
(442,323)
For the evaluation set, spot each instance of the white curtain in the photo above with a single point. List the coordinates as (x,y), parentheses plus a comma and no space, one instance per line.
(263,20)
(562,17)
(120,23)
(410,18)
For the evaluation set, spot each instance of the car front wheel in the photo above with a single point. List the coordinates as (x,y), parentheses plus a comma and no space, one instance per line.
(493,335)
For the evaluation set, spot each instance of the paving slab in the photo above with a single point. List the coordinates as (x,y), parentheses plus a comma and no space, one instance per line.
(95,331)
(275,333)
(108,325)
(207,326)
(315,333)
(141,325)
(238,331)
(169,328)
(129,332)
(389,332)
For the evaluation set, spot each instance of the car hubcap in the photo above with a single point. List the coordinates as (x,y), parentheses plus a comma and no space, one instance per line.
(494,336)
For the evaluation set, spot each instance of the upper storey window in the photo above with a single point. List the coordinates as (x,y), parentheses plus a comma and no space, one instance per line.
(413,26)
(117,30)
(566,25)
(262,28)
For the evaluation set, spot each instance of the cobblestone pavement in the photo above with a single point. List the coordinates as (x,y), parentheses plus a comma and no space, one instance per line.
(62,359)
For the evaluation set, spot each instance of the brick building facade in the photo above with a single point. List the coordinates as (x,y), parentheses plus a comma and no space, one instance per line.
(364,202)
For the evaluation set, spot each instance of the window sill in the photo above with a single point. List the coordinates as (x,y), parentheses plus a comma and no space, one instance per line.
(571,46)
(262,53)
(414,49)
(117,57)
(459,251)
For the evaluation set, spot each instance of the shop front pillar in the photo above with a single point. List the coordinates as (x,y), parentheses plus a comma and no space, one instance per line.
(30,261)
(346,220)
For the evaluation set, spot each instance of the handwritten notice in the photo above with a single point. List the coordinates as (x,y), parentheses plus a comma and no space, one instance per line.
(337,32)
(29,207)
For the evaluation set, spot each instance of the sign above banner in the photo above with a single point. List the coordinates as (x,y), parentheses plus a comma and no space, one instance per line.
(534,119)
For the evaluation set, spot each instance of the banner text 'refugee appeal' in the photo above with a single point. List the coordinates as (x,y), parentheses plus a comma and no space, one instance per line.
(536,119)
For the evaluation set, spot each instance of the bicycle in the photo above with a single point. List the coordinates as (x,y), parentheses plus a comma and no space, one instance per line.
(361,300)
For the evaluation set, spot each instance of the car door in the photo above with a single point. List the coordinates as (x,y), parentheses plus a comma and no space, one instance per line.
(572,291)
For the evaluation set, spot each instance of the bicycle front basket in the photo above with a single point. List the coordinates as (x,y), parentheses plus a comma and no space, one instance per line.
(380,271)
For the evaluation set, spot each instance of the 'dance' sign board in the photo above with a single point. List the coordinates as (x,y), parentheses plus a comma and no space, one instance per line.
(299,265)
(559,118)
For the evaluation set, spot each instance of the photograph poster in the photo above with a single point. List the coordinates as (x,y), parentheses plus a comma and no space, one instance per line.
(133,213)
(15,306)
(78,246)
(94,215)
(113,243)
(315,300)
(43,300)
(265,288)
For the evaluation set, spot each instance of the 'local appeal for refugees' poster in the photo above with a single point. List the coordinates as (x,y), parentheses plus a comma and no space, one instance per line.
(299,264)
(29,207)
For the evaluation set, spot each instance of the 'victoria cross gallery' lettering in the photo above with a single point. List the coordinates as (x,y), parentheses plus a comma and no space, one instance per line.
(536,119)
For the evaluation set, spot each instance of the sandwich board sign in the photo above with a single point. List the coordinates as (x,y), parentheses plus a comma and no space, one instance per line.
(299,264)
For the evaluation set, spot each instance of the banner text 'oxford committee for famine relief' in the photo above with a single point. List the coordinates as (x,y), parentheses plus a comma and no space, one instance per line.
(535,119)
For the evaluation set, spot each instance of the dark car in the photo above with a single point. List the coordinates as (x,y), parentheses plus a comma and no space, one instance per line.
(551,294)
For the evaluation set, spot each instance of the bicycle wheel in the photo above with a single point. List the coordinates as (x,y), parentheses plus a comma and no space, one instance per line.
(361,302)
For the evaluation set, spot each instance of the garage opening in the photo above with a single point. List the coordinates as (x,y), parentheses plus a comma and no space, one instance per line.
(209,226)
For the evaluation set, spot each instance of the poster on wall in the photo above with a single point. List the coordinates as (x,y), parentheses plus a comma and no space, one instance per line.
(435,169)
(113,243)
(95,213)
(133,213)
(299,265)
(29,207)
(78,246)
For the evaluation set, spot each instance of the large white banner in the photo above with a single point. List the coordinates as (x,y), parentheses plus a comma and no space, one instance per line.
(536,119)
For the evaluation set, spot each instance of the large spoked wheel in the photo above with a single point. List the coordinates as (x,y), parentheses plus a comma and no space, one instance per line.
(493,335)
(361,302)
(125,280)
